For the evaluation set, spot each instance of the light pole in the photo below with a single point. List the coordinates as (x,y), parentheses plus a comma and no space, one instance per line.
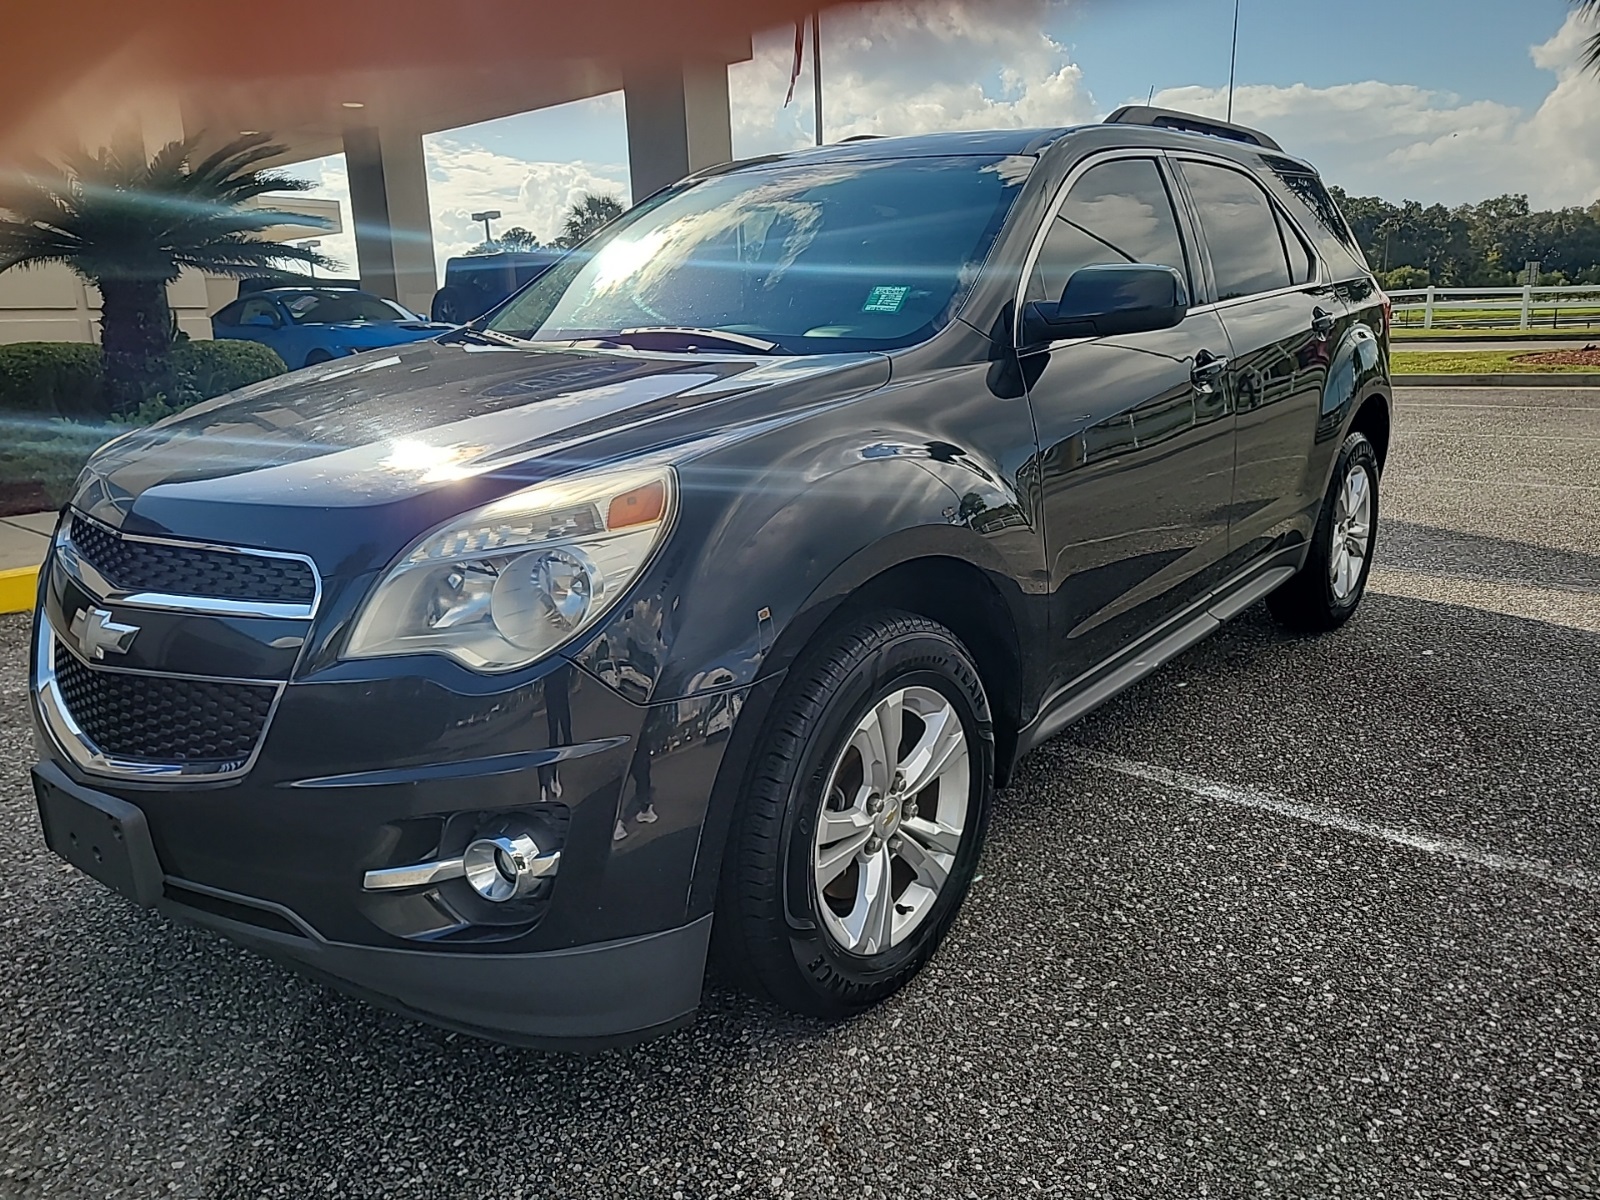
(487,215)
(311,244)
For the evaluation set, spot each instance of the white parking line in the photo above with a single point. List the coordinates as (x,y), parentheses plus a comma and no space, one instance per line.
(1577,877)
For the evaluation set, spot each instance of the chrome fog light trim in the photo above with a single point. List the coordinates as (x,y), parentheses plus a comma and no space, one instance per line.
(498,868)
(505,867)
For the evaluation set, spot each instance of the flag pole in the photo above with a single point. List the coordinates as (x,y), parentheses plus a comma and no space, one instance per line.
(1233,61)
(816,69)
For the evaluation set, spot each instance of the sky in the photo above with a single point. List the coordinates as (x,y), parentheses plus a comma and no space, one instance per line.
(1443,101)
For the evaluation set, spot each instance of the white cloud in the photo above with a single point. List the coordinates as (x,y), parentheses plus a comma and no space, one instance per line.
(463,179)
(902,68)
(1400,141)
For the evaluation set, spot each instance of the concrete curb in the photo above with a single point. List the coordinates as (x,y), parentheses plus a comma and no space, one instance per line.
(18,589)
(1552,379)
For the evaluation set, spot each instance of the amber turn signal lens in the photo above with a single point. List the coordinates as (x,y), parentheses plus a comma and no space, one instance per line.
(638,507)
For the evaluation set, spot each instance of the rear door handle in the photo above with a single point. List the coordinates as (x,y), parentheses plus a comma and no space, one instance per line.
(1322,321)
(1208,368)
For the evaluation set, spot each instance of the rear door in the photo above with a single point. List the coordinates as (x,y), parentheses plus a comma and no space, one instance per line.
(1136,462)
(1280,314)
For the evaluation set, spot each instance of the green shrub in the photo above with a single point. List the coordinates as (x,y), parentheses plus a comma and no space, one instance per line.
(63,379)
(204,370)
(52,379)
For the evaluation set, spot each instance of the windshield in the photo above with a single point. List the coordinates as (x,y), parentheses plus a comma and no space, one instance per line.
(338,308)
(813,257)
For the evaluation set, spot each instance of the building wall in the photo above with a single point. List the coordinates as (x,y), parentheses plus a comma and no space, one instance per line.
(51,304)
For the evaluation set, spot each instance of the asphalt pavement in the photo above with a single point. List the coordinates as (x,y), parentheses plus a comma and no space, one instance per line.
(1291,918)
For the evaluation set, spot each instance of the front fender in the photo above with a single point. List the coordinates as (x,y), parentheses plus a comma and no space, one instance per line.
(768,546)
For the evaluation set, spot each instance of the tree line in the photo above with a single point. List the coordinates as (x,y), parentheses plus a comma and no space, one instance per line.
(1488,244)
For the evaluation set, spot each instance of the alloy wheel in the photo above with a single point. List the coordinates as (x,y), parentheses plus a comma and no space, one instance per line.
(1352,532)
(893,816)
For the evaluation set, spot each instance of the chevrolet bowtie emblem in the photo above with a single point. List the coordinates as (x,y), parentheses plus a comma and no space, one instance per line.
(98,635)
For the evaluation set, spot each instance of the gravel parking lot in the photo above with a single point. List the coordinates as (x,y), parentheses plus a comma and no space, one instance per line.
(1292,918)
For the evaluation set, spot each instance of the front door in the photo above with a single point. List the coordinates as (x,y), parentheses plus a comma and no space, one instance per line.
(1282,321)
(1135,432)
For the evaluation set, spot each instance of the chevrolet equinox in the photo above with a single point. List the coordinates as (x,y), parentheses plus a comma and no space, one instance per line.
(700,596)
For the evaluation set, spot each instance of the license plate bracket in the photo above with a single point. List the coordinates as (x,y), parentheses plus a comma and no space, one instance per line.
(104,837)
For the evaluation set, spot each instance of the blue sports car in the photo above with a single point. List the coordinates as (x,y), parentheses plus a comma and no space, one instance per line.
(307,325)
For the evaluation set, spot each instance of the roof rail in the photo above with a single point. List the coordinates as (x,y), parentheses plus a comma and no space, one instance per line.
(1168,118)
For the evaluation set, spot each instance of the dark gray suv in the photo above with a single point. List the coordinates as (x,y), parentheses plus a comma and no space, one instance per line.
(702,595)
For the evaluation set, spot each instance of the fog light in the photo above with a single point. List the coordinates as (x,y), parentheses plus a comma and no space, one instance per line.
(505,867)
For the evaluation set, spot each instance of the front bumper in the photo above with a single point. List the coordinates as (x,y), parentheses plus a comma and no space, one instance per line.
(377,765)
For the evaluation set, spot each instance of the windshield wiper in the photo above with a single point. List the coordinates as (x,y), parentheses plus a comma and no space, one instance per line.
(692,339)
(488,337)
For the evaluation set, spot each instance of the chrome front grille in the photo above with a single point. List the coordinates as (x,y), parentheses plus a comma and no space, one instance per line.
(157,566)
(164,718)
(130,718)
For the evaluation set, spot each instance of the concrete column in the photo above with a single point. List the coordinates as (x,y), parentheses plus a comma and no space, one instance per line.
(678,122)
(389,209)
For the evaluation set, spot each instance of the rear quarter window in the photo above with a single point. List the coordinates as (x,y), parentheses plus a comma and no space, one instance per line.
(1308,201)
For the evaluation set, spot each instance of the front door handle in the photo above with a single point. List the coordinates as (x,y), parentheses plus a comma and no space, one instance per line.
(1322,321)
(1208,368)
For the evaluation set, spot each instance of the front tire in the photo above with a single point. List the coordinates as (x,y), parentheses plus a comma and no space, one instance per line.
(860,830)
(1327,590)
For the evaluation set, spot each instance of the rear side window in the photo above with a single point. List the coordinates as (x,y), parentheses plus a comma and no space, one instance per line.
(1241,231)
(1117,212)
(1302,263)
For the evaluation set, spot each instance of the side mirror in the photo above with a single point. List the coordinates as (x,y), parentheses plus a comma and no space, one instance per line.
(1109,299)
(262,320)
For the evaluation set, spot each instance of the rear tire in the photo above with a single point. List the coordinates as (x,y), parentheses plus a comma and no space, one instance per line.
(1327,590)
(849,858)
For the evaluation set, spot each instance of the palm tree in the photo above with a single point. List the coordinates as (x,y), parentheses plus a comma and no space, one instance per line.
(586,217)
(1591,57)
(129,226)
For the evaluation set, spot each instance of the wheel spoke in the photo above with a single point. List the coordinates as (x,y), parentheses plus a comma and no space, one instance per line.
(931,835)
(931,872)
(942,738)
(870,921)
(840,837)
(878,739)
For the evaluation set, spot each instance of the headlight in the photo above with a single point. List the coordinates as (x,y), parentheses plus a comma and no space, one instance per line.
(510,582)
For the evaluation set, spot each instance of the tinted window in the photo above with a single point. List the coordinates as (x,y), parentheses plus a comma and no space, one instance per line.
(1241,231)
(1302,263)
(227,316)
(1317,213)
(1118,212)
(816,257)
(338,308)
(257,308)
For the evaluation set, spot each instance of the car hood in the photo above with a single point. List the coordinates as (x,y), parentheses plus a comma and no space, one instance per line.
(379,329)
(389,443)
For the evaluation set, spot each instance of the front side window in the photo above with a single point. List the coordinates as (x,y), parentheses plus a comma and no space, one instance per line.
(252,311)
(1241,231)
(1117,212)
(808,257)
(340,308)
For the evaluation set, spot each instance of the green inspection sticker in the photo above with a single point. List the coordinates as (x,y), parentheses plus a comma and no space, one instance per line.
(886,299)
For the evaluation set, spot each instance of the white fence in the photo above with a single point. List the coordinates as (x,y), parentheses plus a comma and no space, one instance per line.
(1498,308)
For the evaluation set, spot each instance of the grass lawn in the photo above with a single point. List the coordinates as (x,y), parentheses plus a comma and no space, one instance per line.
(1471,362)
(1404,333)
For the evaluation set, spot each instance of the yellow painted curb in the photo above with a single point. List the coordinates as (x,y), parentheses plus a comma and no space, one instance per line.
(18,589)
